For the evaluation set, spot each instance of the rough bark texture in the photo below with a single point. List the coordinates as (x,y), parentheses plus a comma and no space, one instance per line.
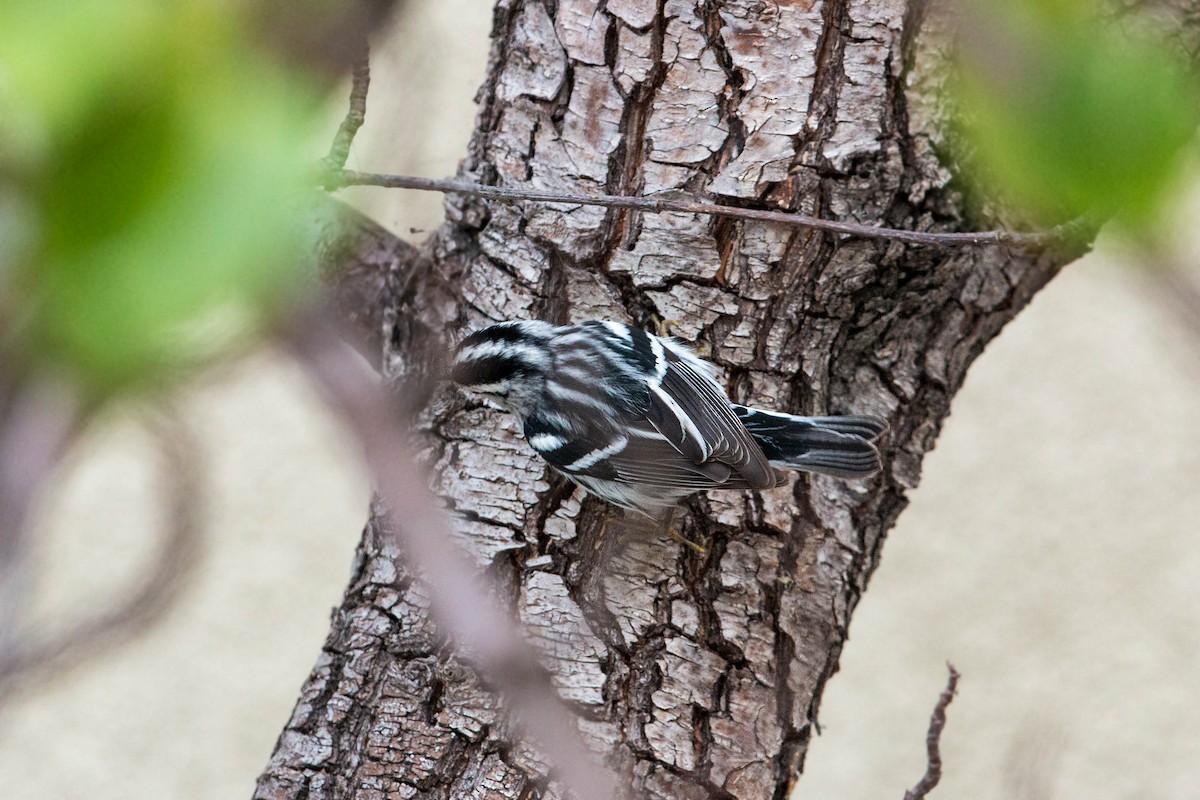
(696,675)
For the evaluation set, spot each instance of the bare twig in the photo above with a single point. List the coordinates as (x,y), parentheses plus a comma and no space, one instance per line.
(465,610)
(933,739)
(659,205)
(160,585)
(339,149)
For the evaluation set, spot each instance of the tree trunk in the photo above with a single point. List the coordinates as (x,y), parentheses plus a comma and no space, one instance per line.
(697,674)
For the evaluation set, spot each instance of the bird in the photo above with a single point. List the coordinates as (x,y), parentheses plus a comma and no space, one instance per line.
(640,420)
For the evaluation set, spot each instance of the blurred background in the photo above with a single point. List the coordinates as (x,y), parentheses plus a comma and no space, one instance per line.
(1051,552)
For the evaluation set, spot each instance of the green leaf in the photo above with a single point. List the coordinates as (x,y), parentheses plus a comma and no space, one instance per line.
(1068,115)
(159,165)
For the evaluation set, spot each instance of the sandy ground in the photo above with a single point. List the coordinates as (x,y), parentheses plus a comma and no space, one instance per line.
(1051,551)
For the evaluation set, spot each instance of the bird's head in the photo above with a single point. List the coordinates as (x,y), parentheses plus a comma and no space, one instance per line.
(506,363)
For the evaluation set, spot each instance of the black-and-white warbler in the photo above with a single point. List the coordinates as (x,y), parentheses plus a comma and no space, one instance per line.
(640,420)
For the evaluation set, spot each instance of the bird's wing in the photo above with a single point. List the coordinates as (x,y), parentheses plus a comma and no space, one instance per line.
(688,408)
(668,424)
(636,454)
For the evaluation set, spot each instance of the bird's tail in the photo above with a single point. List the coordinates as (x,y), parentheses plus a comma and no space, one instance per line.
(839,446)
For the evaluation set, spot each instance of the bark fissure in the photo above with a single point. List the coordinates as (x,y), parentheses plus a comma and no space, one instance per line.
(826,84)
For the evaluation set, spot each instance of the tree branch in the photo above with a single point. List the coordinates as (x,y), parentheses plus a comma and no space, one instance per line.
(356,114)
(659,205)
(933,769)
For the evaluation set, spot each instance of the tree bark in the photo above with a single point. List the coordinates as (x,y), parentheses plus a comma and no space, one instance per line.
(696,675)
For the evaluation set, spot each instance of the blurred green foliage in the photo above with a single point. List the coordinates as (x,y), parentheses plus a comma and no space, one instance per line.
(1070,110)
(152,157)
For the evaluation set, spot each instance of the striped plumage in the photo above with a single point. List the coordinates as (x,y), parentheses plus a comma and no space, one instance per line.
(640,421)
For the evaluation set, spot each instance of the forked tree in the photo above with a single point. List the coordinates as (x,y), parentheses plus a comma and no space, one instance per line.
(696,672)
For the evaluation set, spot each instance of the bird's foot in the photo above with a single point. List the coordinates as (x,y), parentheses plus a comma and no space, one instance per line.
(677,536)
(662,327)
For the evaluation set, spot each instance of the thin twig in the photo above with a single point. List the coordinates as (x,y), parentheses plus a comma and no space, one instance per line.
(464,609)
(339,149)
(933,739)
(154,592)
(658,205)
